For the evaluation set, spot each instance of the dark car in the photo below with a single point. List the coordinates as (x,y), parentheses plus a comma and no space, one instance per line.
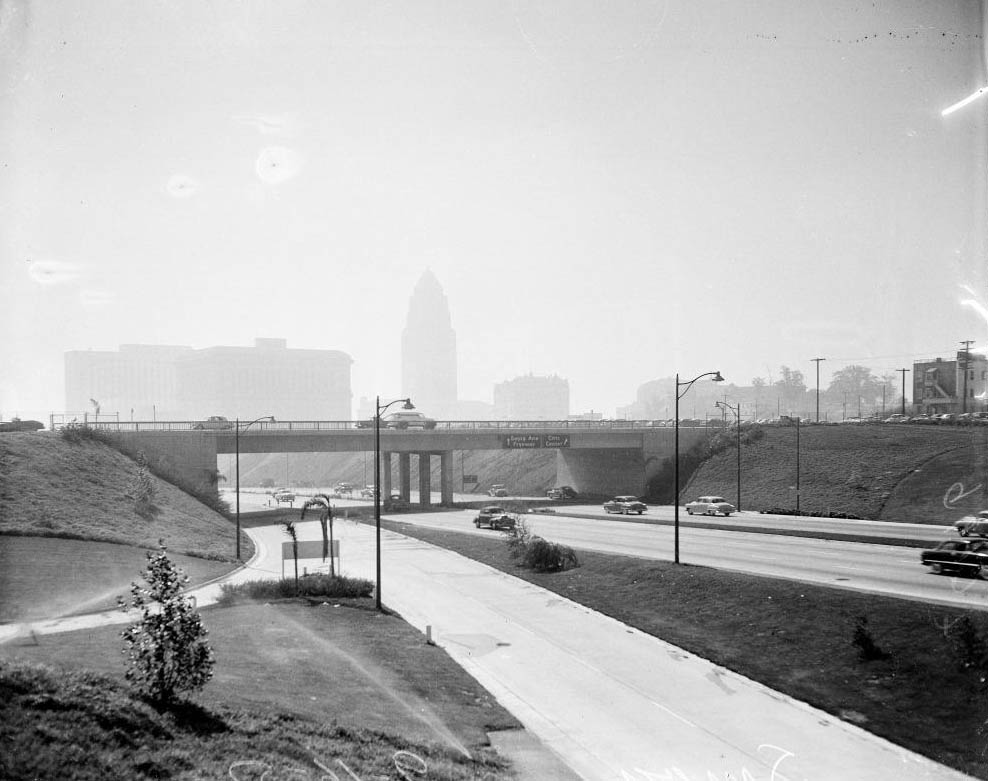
(16,424)
(495,517)
(625,505)
(973,525)
(562,492)
(965,557)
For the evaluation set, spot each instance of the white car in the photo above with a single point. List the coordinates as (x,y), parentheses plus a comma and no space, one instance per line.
(710,505)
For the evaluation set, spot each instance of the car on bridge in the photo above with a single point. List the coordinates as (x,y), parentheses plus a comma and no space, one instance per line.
(214,423)
(964,557)
(408,419)
(710,505)
(625,505)
(973,525)
(495,517)
(16,424)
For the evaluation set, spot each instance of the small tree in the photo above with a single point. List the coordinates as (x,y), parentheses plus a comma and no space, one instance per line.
(142,487)
(292,532)
(167,648)
(322,501)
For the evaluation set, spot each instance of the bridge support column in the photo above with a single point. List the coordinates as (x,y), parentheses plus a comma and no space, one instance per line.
(425,480)
(405,476)
(385,487)
(446,478)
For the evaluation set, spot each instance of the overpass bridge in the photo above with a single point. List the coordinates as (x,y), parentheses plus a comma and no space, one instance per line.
(602,457)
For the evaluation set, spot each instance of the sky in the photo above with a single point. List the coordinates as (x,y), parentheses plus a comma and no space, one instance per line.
(608,192)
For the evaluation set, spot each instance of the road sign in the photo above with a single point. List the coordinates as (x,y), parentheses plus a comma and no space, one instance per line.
(521,441)
(555,440)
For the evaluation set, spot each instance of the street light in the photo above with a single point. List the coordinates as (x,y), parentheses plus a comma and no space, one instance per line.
(737,417)
(377,483)
(717,378)
(237,439)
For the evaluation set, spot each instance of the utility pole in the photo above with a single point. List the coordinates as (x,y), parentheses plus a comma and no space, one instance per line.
(967,362)
(817,360)
(903,371)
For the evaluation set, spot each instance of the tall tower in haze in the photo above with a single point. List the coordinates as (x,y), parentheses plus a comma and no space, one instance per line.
(428,350)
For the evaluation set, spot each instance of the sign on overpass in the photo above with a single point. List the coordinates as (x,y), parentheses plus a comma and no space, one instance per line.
(533,441)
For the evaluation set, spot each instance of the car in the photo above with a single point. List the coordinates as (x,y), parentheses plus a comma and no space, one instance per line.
(965,557)
(625,505)
(497,490)
(16,424)
(973,525)
(283,495)
(561,492)
(368,492)
(710,505)
(898,417)
(213,423)
(495,517)
(408,419)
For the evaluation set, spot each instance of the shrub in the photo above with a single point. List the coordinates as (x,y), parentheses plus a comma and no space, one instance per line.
(544,556)
(166,648)
(968,645)
(142,488)
(313,585)
(868,649)
(79,433)
(518,538)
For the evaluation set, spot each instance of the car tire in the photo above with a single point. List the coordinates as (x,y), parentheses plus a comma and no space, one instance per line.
(936,569)
(980,573)
(727,515)
(640,512)
(689,511)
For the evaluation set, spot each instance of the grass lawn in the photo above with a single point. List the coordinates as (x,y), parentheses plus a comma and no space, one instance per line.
(293,682)
(928,695)
(47,577)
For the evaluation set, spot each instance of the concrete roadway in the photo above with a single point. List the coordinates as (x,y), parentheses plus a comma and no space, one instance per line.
(610,701)
(882,569)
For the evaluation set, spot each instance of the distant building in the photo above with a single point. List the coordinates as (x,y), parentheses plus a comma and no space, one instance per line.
(147,382)
(532,398)
(428,350)
(960,385)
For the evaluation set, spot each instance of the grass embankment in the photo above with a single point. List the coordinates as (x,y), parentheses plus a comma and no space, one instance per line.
(890,472)
(294,686)
(57,497)
(929,695)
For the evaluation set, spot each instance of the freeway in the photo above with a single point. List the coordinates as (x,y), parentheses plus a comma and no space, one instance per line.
(881,569)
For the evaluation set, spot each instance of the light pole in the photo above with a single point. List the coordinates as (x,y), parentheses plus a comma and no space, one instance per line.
(737,416)
(377,485)
(236,436)
(675,499)
(817,360)
(903,373)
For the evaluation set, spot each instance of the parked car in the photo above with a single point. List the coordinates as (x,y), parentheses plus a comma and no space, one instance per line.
(214,422)
(562,492)
(625,505)
(495,517)
(898,417)
(283,495)
(497,490)
(408,419)
(973,525)
(710,505)
(368,492)
(965,557)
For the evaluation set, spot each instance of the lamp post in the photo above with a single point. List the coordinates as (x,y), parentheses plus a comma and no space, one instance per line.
(737,417)
(377,485)
(236,436)
(686,386)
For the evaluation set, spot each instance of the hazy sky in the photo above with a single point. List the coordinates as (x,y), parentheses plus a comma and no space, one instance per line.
(608,191)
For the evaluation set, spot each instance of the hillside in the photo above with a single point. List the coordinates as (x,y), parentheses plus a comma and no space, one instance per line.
(881,472)
(92,486)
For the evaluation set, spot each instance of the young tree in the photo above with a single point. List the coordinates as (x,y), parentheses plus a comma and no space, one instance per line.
(292,532)
(167,648)
(142,487)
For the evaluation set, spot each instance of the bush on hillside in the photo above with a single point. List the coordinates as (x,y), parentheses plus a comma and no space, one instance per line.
(167,648)
(142,488)
(79,433)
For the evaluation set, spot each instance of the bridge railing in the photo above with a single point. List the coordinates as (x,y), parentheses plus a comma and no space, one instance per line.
(282,426)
